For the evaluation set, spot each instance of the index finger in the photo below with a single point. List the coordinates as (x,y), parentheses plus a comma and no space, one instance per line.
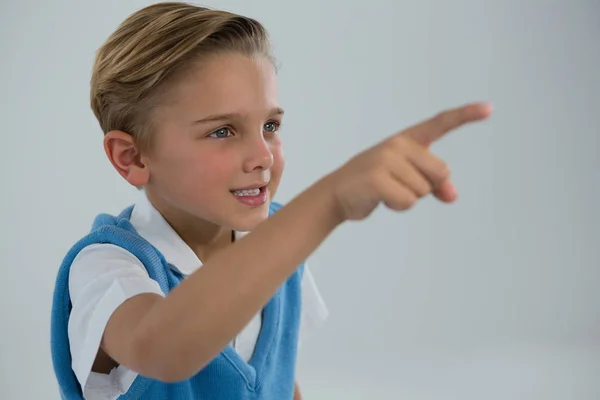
(434,128)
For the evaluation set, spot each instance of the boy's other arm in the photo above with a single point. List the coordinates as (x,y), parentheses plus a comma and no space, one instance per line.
(297,395)
(171,338)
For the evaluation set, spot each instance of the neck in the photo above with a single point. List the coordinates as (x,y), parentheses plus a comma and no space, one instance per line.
(203,237)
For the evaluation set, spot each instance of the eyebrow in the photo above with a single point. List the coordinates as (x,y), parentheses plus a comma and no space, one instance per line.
(222,117)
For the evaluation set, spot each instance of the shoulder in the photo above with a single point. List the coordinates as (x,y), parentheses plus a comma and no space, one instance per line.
(114,239)
(102,261)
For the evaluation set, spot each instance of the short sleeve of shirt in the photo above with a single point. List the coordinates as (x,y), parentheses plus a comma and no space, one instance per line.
(314,311)
(101,278)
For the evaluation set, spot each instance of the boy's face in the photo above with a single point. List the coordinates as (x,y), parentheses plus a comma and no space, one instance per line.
(218,133)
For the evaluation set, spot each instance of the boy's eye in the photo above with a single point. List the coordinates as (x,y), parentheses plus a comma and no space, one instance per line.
(271,126)
(221,133)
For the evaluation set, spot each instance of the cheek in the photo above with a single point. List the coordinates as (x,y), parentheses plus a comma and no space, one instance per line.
(198,171)
(209,171)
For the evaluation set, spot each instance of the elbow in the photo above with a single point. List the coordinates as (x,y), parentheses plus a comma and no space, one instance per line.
(162,358)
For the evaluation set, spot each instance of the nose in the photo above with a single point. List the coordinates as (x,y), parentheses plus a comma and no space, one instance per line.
(258,154)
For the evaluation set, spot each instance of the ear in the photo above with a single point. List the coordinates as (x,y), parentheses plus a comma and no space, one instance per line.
(125,157)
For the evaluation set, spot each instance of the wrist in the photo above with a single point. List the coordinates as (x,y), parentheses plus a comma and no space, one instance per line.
(325,195)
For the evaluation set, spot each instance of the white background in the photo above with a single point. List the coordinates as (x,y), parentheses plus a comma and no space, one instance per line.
(494,297)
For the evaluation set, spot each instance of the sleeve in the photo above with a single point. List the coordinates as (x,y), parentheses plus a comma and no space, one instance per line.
(101,278)
(314,311)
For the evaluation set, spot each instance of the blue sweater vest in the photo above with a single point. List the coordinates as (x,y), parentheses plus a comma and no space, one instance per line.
(270,373)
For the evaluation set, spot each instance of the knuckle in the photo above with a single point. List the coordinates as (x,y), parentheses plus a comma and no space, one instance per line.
(443,171)
(387,157)
(396,143)
(423,190)
(375,176)
(439,119)
(409,200)
(439,170)
(386,154)
(448,119)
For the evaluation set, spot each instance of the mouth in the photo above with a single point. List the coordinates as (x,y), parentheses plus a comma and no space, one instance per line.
(252,191)
(253,196)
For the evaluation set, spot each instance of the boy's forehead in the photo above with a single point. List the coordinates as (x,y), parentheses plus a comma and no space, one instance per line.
(228,84)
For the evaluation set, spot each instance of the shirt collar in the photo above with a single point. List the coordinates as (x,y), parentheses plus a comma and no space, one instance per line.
(152,226)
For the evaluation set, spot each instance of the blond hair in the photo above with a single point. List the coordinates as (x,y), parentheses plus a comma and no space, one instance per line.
(154,46)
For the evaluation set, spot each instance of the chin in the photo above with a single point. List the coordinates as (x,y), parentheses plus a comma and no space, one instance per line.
(250,219)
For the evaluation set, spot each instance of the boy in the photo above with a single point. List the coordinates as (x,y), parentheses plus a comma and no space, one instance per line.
(172,299)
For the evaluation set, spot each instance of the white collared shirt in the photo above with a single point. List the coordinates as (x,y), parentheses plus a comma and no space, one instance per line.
(103,276)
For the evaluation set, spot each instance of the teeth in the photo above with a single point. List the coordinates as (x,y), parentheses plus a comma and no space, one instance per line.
(247,192)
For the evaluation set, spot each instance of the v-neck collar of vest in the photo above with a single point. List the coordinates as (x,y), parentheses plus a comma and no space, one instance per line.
(252,370)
